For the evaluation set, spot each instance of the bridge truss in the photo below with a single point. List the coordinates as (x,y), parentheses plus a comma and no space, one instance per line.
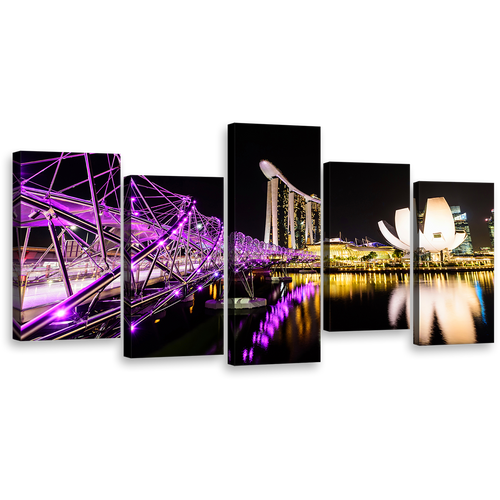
(74,197)
(171,249)
(66,218)
(245,254)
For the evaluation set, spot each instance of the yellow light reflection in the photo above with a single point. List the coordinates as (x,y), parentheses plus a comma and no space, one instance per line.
(452,301)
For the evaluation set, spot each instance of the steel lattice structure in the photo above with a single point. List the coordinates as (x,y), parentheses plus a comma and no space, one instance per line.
(72,200)
(247,253)
(167,240)
(169,244)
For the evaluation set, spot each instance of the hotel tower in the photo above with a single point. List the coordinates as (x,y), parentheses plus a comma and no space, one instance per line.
(293,218)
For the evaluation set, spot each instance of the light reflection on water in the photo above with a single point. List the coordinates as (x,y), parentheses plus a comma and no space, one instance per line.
(452,308)
(287,330)
(455,308)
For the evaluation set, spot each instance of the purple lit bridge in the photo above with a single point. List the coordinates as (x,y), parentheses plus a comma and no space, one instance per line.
(78,286)
(182,251)
(172,250)
(67,261)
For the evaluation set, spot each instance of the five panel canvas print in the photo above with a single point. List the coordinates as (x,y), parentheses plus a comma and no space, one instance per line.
(67,252)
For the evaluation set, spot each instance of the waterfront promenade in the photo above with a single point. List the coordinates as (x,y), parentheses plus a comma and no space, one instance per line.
(391,269)
(406,269)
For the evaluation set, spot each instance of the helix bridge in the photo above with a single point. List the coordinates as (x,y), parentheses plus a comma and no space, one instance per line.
(247,254)
(70,287)
(172,251)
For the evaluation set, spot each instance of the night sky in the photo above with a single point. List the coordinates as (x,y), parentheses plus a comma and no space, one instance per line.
(361,194)
(207,191)
(295,150)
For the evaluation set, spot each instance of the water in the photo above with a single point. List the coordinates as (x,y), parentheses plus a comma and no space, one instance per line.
(184,329)
(370,309)
(455,308)
(374,308)
(287,330)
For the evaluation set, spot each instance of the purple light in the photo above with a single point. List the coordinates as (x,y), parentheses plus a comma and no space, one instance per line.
(136,213)
(216,274)
(60,313)
(132,199)
(162,242)
(200,287)
(132,328)
(194,201)
(176,293)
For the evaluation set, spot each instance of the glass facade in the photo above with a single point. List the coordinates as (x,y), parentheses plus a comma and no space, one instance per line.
(282,219)
(462,224)
(316,221)
(299,220)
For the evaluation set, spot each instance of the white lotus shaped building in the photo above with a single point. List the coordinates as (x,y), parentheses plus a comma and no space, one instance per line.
(436,233)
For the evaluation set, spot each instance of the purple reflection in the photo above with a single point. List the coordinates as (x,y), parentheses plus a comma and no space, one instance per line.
(276,316)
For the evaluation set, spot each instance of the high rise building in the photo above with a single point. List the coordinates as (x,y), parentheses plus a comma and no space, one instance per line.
(293,218)
(462,224)
(491,228)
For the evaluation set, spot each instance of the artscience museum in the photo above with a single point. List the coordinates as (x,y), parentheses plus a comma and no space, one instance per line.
(436,229)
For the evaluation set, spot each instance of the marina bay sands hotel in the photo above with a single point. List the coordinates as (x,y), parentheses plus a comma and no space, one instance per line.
(293,218)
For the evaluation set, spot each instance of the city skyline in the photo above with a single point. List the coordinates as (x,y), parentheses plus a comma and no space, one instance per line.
(357,202)
(351,219)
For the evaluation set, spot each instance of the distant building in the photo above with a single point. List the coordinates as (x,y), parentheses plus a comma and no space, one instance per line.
(462,224)
(491,228)
(293,218)
(337,249)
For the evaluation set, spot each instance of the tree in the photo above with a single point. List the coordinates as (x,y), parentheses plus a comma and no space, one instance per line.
(397,254)
(369,256)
